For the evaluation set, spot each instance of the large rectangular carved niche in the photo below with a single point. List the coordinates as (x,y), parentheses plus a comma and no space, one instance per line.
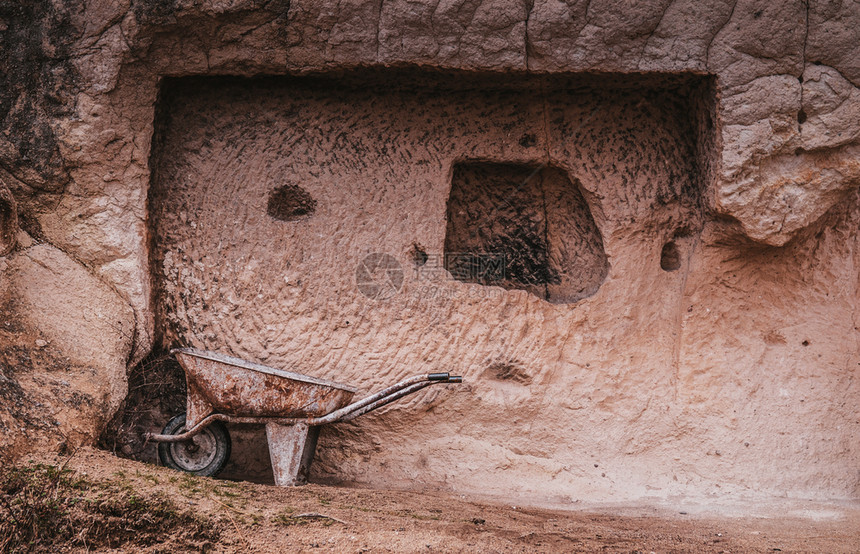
(268,193)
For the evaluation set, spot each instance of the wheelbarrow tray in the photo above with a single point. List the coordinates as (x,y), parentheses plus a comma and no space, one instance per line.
(236,387)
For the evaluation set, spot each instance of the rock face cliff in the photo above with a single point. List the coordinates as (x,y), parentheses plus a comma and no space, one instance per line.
(633,229)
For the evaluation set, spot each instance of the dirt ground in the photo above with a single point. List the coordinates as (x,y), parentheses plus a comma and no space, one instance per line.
(247,517)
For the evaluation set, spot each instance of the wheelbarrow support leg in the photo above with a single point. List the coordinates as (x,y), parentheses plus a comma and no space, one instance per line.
(291,448)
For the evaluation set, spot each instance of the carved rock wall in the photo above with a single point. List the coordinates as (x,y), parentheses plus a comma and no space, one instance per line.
(752,340)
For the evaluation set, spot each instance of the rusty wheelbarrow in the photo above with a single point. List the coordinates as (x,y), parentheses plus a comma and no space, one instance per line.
(291,405)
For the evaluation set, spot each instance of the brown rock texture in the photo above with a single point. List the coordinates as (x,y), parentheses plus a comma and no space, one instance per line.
(212,174)
(66,339)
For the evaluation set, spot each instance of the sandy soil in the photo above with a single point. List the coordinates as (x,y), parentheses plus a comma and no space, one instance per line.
(261,518)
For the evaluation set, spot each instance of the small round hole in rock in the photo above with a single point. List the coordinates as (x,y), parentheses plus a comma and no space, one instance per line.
(528,140)
(419,255)
(508,371)
(290,202)
(670,257)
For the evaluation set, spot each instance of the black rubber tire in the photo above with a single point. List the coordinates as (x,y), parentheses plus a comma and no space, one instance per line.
(204,454)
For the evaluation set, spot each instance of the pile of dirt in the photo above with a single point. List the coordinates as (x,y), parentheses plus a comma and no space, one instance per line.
(44,506)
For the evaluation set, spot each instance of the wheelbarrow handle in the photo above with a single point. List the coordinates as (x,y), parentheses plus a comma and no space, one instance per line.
(389,394)
(445,377)
(403,392)
(386,400)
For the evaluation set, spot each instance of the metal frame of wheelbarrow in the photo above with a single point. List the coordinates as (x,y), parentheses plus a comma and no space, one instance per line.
(292,440)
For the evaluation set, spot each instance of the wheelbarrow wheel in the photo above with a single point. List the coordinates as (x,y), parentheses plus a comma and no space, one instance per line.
(204,454)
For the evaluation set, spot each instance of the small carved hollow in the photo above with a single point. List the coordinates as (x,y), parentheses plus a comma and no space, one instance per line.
(290,202)
(670,257)
(8,221)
